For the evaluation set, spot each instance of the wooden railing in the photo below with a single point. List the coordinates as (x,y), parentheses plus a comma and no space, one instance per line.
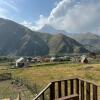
(70,89)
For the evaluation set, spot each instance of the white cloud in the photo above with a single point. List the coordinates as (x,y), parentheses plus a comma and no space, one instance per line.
(29,25)
(38,24)
(74,16)
(5,5)
(10,4)
(3,12)
(41,22)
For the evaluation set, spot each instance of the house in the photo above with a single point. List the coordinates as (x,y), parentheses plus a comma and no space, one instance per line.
(22,62)
(84,59)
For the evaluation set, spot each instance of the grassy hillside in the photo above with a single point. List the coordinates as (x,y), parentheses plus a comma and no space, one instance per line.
(61,44)
(89,40)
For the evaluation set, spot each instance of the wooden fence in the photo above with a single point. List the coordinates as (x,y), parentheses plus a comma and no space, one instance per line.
(5,76)
(32,87)
(70,89)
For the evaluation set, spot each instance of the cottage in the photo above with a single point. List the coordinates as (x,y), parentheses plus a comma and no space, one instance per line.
(84,59)
(21,62)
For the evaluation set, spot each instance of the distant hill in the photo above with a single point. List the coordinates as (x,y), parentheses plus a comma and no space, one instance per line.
(49,29)
(89,40)
(16,39)
(61,44)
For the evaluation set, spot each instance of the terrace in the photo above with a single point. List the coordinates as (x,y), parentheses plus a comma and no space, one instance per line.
(70,89)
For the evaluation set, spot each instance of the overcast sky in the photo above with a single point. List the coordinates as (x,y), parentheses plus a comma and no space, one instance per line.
(73,16)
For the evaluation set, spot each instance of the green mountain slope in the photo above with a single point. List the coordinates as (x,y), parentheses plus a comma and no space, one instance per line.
(89,40)
(61,44)
(16,39)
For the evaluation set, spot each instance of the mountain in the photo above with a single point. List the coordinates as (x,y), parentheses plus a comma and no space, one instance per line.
(89,40)
(62,44)
(49,29)
(16,39)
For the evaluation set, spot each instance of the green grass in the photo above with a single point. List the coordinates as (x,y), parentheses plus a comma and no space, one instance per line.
(7,90)
(42,75)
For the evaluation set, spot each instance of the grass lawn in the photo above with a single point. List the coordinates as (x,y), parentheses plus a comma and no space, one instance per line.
(7,90)
(45,74)
(42,75)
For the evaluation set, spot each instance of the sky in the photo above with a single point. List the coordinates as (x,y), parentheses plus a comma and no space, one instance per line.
(74,16)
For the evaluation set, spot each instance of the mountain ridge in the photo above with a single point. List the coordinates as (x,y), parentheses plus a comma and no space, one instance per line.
(90,40)
(16,39)
(49,29)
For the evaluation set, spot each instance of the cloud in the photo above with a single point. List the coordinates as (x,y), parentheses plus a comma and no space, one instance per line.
(41,22)
(38,24)
(9,4)
(3,12)
(29,25)
(74,16)
(6,8)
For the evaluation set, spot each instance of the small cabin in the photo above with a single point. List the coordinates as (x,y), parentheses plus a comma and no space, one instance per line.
(21,62)
(84,59)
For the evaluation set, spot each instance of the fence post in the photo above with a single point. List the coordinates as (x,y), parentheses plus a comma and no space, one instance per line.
(82,90)
(87,91)
(59,89)
(52,91)
(95,97)
(66,87)
(77,86)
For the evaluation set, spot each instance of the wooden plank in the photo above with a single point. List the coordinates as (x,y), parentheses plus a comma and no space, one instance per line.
(88,91)
(66,88)
(47,87)
(77,86)
(52,91)
(71,87)
(82,90)
(95,92)
(71,97)
(43,96)
(59,89)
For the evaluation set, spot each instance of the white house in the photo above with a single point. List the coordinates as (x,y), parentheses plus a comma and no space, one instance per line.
(84,59)
(21,62)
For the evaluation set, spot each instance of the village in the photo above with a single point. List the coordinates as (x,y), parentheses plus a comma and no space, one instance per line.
(82,58)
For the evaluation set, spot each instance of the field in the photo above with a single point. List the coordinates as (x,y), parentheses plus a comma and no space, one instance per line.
(42,75)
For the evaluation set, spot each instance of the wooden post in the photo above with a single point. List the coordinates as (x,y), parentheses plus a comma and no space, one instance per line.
(95,92)
(71,86)
(77,86)
(43,96)
(19,96)
(82,90)
(66,88)
(87,91)
(52,91)
(59,89)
